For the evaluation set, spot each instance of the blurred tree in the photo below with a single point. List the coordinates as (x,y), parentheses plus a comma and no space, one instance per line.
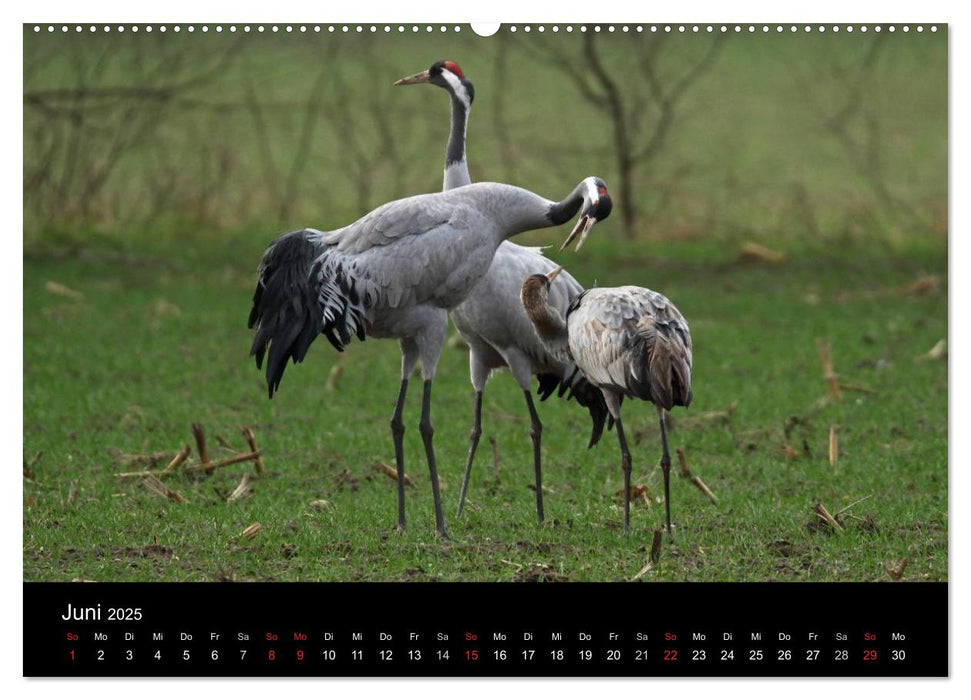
(367,150)
(843,96)
(282,183)
(78,133)
(506,150)
(641,112)
(137,137)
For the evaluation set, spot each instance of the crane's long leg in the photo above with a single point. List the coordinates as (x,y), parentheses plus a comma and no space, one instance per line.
(536,433)
(625,463)
(398,434)
(474,436)
(666,468)
(426,430)
(613,402)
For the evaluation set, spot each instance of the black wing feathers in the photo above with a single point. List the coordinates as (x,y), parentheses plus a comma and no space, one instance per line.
(285,310)
(587,395)
(296,299)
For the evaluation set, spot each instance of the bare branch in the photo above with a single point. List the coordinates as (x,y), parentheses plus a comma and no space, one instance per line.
(547,52)
(304,141)
(502,131)
(135,92)
(668,102)
(271,176)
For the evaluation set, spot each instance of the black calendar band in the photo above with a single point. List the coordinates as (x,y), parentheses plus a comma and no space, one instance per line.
(486,629)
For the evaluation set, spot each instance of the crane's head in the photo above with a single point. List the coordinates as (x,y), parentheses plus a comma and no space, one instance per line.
(551,275)
(596,207)
(536,288)
(444,74)
(535,297)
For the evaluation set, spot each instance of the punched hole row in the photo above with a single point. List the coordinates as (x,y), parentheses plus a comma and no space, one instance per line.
(541,29)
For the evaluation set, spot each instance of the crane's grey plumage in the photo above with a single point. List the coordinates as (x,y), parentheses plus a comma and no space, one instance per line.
(499,334)
(491,320)
(634,342)
(394,273)
(628,341)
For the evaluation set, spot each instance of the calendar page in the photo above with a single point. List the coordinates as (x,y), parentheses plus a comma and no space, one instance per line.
(544,349)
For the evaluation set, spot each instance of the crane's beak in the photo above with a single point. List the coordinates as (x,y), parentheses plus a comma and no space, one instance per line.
(584,224)
(422,77)
(551,275)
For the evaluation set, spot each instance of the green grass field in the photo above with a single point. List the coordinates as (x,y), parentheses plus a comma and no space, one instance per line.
(153,346)
(158,168)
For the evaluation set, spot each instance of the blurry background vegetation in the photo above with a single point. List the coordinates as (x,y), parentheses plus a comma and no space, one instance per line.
(788,140)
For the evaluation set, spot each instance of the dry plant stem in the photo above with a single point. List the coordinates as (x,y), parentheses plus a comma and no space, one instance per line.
(640,574)
(200,437)
(896,572)
(856,387)
(334,377)
(827,362)
(834,449)
(161,489)
(240,490)
(821,511)
(725,415)
(696,480)
(655,555)
(683,462)
(177,460)
(656,546)
(856,502)
(392,473)
(251,531)
(251,441)
(143,459)
(225,445)
(209,466)
(61,290)
(753,252)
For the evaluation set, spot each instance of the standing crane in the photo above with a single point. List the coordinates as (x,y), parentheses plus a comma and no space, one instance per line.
(395,273)
(628,341)
(491,320)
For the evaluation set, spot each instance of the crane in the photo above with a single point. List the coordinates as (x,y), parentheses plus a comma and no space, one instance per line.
(395,273)
(628,341)
(491,320)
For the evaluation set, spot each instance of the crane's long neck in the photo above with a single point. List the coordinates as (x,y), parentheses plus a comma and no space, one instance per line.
(456,167)
(549,324)
(564,210)
(517,210)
